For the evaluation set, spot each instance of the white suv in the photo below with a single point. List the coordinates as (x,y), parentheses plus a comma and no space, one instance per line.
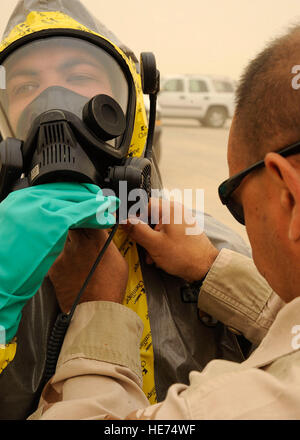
(209,99)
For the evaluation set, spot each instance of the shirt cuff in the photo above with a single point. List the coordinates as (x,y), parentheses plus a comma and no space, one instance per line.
(104,331)
(236,294)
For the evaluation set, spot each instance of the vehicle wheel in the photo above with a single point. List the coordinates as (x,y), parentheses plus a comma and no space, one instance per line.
(215,117)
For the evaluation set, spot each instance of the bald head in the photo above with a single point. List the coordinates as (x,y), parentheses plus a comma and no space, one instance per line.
(267,115)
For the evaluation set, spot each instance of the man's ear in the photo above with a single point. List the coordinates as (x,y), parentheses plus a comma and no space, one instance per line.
(287,179)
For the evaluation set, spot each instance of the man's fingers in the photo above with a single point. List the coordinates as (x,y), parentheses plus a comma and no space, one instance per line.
(144,235)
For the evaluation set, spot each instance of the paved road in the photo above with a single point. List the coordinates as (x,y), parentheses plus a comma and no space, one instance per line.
(195,157)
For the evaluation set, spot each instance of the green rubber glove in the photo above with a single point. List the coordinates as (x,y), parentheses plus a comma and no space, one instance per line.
(34,224)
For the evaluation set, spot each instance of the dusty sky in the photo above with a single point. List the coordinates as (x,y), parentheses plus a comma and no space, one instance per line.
(193,36)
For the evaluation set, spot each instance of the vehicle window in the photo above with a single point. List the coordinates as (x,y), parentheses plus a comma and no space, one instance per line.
(197,85)
(173,85)
(223,86)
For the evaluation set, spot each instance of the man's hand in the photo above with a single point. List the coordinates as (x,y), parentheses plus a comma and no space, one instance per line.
(71,268)
(187,256)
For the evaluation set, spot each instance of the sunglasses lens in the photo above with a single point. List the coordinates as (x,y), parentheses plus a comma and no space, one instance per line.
(225,194)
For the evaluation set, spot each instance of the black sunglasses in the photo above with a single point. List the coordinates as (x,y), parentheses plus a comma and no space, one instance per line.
(227,188)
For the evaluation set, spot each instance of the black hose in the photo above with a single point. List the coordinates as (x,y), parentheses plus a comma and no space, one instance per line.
(55,343)
(151,128)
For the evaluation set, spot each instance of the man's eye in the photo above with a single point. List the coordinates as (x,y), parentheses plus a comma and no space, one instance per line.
(25,89)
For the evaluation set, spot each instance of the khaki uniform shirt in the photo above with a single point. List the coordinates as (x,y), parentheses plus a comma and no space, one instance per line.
(98,375)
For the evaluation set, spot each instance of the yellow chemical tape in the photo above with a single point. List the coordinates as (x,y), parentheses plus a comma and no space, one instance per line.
(136,300)
(7,354)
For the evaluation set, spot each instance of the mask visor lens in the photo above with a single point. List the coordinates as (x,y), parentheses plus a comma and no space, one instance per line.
(53,64)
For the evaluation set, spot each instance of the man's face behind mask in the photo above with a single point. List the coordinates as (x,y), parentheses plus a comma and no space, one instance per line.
(69,63)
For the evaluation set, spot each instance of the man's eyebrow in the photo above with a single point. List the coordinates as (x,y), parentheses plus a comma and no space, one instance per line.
(22,72)
(66,65)
(76,61)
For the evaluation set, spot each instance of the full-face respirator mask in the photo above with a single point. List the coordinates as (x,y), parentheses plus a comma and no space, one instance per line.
(68,113)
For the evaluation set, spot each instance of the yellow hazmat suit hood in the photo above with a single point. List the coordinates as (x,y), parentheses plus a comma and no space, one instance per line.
(37,19)
(33,17)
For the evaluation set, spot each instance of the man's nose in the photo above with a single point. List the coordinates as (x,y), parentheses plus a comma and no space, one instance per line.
(53,78)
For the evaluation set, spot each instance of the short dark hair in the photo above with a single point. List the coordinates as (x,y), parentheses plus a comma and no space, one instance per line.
(267,113)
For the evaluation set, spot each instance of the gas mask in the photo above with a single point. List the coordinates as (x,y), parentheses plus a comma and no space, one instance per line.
(68,113)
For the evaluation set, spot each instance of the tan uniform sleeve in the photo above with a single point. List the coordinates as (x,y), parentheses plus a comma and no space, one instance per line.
(237,295)
(229,391)
(98,373)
